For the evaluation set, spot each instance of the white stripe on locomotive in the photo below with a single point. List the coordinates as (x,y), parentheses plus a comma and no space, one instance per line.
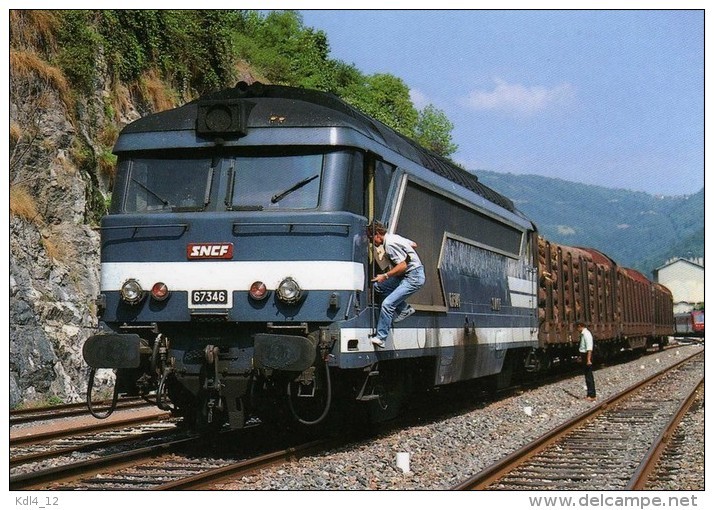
(234,275)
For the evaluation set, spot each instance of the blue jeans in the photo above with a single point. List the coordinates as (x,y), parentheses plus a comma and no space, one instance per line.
(396,289)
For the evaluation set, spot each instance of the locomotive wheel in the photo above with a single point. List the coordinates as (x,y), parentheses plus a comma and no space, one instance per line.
(392,390)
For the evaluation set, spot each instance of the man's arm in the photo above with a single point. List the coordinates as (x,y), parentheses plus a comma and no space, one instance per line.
(395,271)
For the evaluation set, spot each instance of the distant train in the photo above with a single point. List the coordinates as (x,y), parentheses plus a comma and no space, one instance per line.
(689,324)
(235,269)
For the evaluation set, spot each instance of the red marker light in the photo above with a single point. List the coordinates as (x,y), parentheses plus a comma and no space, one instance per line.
(258,291)
(159,291)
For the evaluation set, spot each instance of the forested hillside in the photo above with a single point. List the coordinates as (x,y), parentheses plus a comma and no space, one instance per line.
(77,77)
(636,229)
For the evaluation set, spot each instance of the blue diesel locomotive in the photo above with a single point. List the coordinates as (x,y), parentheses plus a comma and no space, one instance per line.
(235,269)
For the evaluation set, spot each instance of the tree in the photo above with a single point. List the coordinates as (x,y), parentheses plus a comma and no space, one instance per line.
(285,51)
(386,98)
(433,131)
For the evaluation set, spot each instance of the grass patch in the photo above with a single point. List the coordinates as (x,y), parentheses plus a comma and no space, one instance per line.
(26,64)
(34,29)
(15,132)
(107,164)
(24,205)
(155,91)
(56,249)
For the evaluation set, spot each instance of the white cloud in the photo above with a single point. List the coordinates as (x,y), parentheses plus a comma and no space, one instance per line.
(565,230)
(419,98)
(520,99)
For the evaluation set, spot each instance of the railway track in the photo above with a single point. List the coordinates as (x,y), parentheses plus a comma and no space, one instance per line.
(663,444)
(70,475)
(674,469)
(68,431)
(68,450)
(49,413)
(611,446)
(166,462)
(83,441)
(66,434)
(183,464)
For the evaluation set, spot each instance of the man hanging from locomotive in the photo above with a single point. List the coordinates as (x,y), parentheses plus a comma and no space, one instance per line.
(404,278)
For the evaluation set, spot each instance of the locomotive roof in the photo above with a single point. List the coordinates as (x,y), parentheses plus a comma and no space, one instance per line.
(311,108)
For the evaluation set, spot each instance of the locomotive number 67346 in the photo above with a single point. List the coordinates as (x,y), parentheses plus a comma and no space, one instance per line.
(209,297)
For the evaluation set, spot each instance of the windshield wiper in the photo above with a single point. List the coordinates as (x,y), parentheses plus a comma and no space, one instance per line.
(209,184)
(153,193)
(232,179)
(279,196)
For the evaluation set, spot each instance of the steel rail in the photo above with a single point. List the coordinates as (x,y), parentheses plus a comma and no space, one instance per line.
(206,479)
(39,480)
(496,471)
(648,464)
(97,427)
(58,452)
(68,410)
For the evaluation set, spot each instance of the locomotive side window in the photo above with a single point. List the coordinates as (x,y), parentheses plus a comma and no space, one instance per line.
(354,189)
(426,211)
(166,185)
(426,216)
(383,173)
(276,182)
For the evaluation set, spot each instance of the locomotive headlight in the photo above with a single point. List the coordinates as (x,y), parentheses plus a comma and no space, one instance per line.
(131,292)
(289,291)
(159,291)
(258,291)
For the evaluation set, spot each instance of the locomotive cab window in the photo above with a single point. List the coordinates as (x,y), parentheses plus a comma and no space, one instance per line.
(159,184)
(248,179)
(270,182)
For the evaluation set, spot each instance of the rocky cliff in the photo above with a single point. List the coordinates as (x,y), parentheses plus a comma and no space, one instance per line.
(61,171)
(57,194)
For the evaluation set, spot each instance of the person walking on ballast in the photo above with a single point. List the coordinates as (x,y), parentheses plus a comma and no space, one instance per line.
(401,281)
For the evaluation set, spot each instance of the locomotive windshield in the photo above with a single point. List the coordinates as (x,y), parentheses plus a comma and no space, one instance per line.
(272,182)
(163,184)
(179,182)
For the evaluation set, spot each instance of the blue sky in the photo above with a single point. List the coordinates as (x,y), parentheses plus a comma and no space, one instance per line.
(613,98)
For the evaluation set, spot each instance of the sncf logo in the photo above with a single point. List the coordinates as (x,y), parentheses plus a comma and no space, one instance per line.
(209,251)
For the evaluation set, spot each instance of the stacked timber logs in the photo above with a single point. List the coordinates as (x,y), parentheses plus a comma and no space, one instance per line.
(565,290)
(583,284)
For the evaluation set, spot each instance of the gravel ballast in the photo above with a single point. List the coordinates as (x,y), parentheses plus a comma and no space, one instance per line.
(445,452)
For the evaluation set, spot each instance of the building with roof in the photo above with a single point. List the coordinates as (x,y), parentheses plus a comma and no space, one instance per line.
(685,278)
